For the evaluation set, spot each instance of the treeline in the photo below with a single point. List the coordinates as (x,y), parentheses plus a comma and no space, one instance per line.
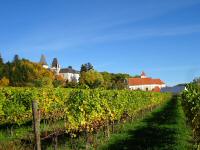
(24,73)
(92,79)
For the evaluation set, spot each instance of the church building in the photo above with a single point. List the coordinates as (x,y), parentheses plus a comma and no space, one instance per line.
(68,74)
(145,83)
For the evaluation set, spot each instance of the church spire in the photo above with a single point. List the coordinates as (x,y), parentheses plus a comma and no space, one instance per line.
(55,66)
(43,61)
(143,74)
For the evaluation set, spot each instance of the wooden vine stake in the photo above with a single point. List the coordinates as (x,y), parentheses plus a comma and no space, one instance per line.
(36,124)
(55,142)
(108,128)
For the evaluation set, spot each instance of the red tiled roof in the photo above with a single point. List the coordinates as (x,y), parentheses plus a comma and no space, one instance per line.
(144,81)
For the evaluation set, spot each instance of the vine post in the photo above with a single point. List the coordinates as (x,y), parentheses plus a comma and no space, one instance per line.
(36,124)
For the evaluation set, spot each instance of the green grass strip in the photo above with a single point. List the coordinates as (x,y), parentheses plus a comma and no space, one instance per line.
(163,129)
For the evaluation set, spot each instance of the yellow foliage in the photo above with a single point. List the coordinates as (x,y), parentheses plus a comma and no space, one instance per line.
(4,81)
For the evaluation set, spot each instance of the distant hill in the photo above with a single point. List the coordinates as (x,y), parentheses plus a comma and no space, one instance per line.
(175,89)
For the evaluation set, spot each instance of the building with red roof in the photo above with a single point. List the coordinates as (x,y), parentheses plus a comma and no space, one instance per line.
(145,83)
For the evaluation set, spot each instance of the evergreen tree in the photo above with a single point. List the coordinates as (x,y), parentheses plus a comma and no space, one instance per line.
(86,67)
(16,58)
(1,60)
(1,67)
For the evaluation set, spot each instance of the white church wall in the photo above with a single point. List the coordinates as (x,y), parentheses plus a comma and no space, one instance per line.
(150,87)
(70,76)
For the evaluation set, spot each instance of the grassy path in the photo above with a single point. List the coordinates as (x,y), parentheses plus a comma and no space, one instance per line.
(165,128)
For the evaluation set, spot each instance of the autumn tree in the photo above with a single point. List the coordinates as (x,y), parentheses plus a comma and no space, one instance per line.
(4,81)
(59,81)
(120,81)
(92,79)
(115,81)
(83,73)
(22,72)
(107,80)
(44,82)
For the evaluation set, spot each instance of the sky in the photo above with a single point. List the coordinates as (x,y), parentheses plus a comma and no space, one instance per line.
(159,37)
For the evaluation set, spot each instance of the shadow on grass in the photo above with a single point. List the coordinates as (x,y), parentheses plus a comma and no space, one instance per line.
(157,131)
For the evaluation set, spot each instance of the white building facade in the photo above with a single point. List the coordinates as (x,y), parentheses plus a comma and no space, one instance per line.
(69,74)
(145,83)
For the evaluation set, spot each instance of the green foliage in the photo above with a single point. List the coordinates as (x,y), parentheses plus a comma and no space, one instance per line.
(25,73)
(86,67)
(81,108)
(191,103)
(73,84)
(1,60)
(92,79)
(115,81)
(44,82)
(1,66)
(59,81)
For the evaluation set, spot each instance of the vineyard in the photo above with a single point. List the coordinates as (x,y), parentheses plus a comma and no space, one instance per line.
(191,103)
(77,110)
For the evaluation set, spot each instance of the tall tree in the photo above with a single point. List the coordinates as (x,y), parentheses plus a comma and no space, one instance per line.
(86,67)
(115,81)
(24,73)
(1,60)
(1,66)
(92,79)
(16,58)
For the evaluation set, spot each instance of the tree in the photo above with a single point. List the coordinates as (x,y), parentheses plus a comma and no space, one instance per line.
(83,72)
(92,79)
(59,81)
(120,81)
(1,67)
(44,82)
(16,58)
(1,60)
(115,81)
(86,67)
(71,84)
(24,73)
(4,81)
(107,80)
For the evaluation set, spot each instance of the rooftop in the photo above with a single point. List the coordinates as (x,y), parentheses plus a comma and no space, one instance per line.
(69,70)
(144,81)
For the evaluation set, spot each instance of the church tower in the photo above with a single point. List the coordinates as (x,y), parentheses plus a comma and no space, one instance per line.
(43,62)
(55,66)
(143,75)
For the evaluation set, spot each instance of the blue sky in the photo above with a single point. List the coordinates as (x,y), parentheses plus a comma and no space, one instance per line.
(159,37)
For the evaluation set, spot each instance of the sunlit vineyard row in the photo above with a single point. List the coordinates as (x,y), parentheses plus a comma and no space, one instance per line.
(191,103)
(78,108)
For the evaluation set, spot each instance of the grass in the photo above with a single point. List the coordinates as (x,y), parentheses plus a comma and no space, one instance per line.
(25,132)
(164,129)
